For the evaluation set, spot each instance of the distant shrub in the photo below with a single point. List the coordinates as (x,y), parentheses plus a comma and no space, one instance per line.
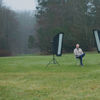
(4,53)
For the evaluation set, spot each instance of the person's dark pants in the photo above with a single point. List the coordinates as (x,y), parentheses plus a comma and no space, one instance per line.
(81,58)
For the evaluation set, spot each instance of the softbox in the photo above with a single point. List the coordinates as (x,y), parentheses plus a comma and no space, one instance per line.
(97,38)
(58,44)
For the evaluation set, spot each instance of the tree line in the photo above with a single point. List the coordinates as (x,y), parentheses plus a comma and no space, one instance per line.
(8,26)
(76,18)
(16,31)
(24,32)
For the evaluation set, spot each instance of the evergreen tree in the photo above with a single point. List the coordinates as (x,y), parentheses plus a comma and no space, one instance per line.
(76,19)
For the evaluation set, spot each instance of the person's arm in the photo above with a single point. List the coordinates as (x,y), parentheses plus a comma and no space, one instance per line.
(81,51)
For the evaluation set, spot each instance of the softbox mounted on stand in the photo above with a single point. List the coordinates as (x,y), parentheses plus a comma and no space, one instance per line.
(57,45)
(97,38)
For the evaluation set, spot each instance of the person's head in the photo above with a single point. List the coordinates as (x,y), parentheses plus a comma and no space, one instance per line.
(77,45)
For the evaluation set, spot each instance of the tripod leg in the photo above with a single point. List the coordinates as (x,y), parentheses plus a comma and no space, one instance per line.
(57,63)
(49,63)
(54,61)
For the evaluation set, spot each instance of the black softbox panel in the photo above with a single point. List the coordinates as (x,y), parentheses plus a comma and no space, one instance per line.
(58,44)
(97,38)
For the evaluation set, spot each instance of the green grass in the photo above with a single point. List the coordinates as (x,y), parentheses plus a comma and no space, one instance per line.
(28,78)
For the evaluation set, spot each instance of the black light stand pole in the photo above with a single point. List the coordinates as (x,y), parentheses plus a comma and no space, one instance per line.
(53,61)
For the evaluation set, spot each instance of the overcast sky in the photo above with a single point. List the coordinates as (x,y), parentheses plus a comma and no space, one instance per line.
(21,4)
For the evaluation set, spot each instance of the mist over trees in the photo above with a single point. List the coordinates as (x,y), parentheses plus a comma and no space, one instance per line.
(8,26)
(28,32)
(26,29)
(76,18)
(16,28)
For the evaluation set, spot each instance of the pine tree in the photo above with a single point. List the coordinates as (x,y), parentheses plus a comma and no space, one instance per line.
(69,16)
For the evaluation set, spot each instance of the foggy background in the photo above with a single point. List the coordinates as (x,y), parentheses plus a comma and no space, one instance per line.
(18,23)
(28,26)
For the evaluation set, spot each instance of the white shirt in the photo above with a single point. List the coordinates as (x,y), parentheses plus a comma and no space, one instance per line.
(78,51)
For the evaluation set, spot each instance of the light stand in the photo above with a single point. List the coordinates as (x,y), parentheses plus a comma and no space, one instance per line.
(56,47)
(53,61)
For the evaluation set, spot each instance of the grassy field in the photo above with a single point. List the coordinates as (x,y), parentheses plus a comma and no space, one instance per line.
(28,78)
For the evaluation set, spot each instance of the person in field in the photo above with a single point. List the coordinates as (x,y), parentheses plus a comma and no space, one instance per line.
(79,54)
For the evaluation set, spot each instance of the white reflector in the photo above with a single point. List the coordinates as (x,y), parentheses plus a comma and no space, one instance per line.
(97,38)
(60,44)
